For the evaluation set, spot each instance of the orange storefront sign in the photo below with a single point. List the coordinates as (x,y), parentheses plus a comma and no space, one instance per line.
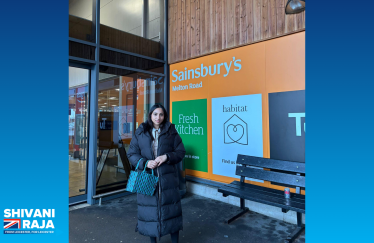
(276,65)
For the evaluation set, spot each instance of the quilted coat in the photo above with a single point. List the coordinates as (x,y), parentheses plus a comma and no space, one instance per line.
(160,214)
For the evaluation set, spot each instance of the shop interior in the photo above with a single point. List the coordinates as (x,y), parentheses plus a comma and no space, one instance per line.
(118,98)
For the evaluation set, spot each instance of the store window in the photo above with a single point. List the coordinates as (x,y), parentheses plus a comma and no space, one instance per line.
(123,104)
(128,26)
(80,20)
(78,133)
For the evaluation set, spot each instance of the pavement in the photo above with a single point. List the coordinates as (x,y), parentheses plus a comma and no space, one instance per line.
(203,221)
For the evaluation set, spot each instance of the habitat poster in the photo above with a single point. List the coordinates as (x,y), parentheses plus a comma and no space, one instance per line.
(236,129)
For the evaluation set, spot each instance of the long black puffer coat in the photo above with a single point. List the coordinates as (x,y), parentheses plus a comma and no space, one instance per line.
(160,214)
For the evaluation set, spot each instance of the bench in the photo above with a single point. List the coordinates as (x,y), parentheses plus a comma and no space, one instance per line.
(287,173)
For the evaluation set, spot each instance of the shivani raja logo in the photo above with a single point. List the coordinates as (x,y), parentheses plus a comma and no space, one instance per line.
(29,221)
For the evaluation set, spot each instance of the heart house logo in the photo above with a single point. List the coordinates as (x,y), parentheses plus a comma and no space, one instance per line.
(235,131)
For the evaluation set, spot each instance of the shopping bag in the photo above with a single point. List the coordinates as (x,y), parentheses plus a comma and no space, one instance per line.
(142,182)
(132,179)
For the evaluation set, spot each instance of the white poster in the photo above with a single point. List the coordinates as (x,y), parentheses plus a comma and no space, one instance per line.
(236,129)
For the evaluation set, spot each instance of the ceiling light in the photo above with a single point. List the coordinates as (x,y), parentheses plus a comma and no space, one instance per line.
(117,89)
(112,98)
(114,105)
(105,103)
(295,6)
(103,106)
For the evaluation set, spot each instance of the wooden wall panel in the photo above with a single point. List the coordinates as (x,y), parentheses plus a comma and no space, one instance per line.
(264,19)
(272,14)
(183,28)
(197,27)
(172,28)
(208,24)
(290,20)
(179,30)
(193,28)
(243,22)
(300,23)
(176,30)
(303,20)
(230,26)
(237,23)
(280,17)
(223,22)
(249,19)
(169,28)
(256,20)
(200,27)
(213,26)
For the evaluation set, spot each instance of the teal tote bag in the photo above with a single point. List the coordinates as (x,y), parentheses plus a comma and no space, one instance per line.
(142,182)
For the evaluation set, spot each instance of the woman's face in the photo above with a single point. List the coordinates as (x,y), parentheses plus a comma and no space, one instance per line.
(157,117)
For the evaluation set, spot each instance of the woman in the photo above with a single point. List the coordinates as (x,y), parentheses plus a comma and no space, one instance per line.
(157,141)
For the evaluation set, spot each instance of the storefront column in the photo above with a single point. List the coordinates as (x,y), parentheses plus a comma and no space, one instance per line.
(93,114)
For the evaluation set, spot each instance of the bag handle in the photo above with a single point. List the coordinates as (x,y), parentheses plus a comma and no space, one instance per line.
(138,164)
(145,166)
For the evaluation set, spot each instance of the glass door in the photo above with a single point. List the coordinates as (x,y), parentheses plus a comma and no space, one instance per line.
(78,133)
(123,104)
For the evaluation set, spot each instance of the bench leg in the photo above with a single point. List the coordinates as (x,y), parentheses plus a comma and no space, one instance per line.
(243,210)
(300,228)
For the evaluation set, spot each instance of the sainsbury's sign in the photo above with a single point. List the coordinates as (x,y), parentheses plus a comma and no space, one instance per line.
(202,71)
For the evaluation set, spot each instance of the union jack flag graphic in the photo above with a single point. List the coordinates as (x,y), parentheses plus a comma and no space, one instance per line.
(12,223)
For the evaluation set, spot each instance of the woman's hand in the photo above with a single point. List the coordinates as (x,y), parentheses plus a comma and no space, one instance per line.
(161,159)
(152,164)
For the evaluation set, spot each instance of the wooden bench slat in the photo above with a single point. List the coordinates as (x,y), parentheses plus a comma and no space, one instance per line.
(288,179)
(271,163)
(267,196)
(271,193)
(295,195)
(265,193)
(281,203)
(258,197)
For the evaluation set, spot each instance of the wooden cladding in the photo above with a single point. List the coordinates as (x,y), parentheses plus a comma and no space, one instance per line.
(82,29)
(122,40)
(200,27)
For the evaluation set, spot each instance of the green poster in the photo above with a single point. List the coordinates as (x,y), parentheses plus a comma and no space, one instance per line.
(190,119)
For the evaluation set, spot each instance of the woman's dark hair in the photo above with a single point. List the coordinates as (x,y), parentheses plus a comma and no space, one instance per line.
(166,115)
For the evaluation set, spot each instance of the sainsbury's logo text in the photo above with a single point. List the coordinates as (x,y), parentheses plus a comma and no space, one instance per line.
(202,71)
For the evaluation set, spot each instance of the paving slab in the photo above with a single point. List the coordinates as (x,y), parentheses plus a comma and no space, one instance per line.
(203,220)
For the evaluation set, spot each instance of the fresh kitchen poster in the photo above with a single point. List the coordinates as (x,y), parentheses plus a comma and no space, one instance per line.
(236,129)
(190,119)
